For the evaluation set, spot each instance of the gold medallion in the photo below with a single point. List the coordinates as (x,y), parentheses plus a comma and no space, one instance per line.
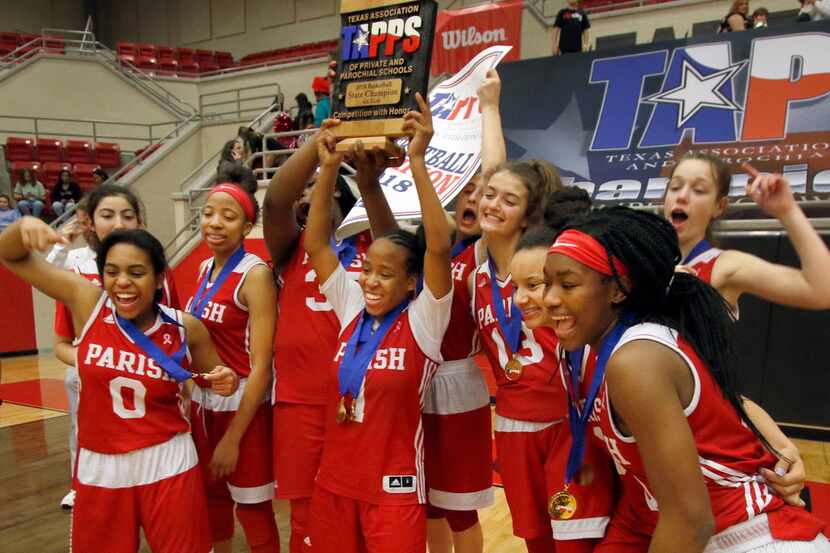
(513,369)
(342,413)
(350,411)
(562,505)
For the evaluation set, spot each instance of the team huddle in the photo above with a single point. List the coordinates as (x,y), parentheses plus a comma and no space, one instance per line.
(341,377)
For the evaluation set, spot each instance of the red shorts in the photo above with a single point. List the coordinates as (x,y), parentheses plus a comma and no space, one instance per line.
(458,459)
(172,512)
(252,481)
(532,467)
(344,525)
(299,430)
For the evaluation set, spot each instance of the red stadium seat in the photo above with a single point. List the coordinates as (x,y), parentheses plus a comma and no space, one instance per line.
(108,154)
(84,175)
(54,44)
(127,52)
(78,151)
(20,149)
(206,61)
(167,64)
(51,171)
(16,167)
(147,50)
(187,62)
(24,44)
(224,60)
(8,43)
(49,149)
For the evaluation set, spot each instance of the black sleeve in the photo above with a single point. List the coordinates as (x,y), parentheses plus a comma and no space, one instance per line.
(560,21)
(76,191)
(585,23)
(55,195)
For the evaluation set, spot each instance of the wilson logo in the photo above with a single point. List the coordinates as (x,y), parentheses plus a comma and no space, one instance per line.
(471,37)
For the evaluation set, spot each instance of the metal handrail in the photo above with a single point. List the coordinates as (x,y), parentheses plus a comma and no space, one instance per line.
(290,62)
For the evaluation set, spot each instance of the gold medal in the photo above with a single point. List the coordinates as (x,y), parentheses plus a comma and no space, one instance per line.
(342,413)
(562,505)
(513,369)
(350,411)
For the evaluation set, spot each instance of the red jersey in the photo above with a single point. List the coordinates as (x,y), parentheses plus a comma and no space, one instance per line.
(704,262)
(306,336)
(379,457)
(730,455)
(226,318)
(89,270)
(127,401)
(461,342)
(539,394)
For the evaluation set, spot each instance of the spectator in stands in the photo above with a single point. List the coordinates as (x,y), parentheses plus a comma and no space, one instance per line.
(305,113)
(814,10)
(232,154)
(65,194)
(29,194)
(321,88)
(8,214)
(99,176)
(737,19)
(570,30)
(240,176)
(760,18)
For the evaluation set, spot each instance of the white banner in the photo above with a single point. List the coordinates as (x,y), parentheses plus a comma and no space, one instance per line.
(454,154)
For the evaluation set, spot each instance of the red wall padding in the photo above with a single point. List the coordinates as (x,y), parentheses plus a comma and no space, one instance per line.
(17,321)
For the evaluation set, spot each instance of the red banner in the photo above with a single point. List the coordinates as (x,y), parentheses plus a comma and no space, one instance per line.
(461,34)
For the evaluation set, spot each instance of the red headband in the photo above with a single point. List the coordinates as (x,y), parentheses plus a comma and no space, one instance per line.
(241,197)
(585,249)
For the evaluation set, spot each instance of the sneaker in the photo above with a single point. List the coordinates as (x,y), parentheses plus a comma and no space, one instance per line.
(68,501)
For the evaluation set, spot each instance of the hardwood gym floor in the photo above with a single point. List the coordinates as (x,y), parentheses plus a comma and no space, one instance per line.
(34,467)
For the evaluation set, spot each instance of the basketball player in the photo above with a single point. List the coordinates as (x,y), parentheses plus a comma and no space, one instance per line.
(137,465)
(697,194)
(236,300)
(663,402)
(370,490)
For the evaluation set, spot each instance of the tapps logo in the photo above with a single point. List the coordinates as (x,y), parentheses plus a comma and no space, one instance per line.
(371,40)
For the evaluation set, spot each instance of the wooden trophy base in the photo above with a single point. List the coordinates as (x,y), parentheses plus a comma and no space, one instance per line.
(383,143)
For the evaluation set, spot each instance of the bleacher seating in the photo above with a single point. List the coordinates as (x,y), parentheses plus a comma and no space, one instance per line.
(206,61)
(126,52)
(79,151)
(83,173)
(290,53)
(224,60)
(49,149)
(20,149)
(51,171)
(9,43)
(108,155)
(187,62)
(167,64)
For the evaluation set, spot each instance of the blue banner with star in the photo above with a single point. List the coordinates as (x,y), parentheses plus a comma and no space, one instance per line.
(616,122)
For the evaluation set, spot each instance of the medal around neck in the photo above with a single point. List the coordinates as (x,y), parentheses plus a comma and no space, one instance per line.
(383,60)
(513,369)
(562,505)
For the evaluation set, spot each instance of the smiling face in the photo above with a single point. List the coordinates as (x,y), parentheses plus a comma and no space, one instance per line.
(691,201)
(223,223)
(503,205)
(579,301)
(238,149)
(466,209)
(384,280)
(742,7)
(528,275)
(131,282)
(112,213)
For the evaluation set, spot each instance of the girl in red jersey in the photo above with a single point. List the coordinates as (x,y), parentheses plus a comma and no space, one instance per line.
(370,490)
(237,302)
(111,208)
(661,398)
(137,465)
(697,194)
(531,402)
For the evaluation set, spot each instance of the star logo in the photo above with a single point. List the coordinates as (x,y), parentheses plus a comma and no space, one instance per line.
(697,92)
(362,39)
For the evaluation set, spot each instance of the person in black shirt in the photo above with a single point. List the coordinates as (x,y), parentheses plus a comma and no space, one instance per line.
(737,19)
(570,31)
(65,194)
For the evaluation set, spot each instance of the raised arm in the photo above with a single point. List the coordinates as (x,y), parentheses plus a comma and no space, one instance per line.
(286,187)
(318,226)
(437,262)
(493,149)
(30,234)
(370,166)
(642,389)
(259,294)
(739,272)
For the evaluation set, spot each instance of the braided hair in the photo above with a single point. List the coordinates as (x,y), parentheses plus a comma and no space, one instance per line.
(415,246)
(647,245)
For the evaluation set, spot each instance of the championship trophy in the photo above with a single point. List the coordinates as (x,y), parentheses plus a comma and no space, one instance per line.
(383,60)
